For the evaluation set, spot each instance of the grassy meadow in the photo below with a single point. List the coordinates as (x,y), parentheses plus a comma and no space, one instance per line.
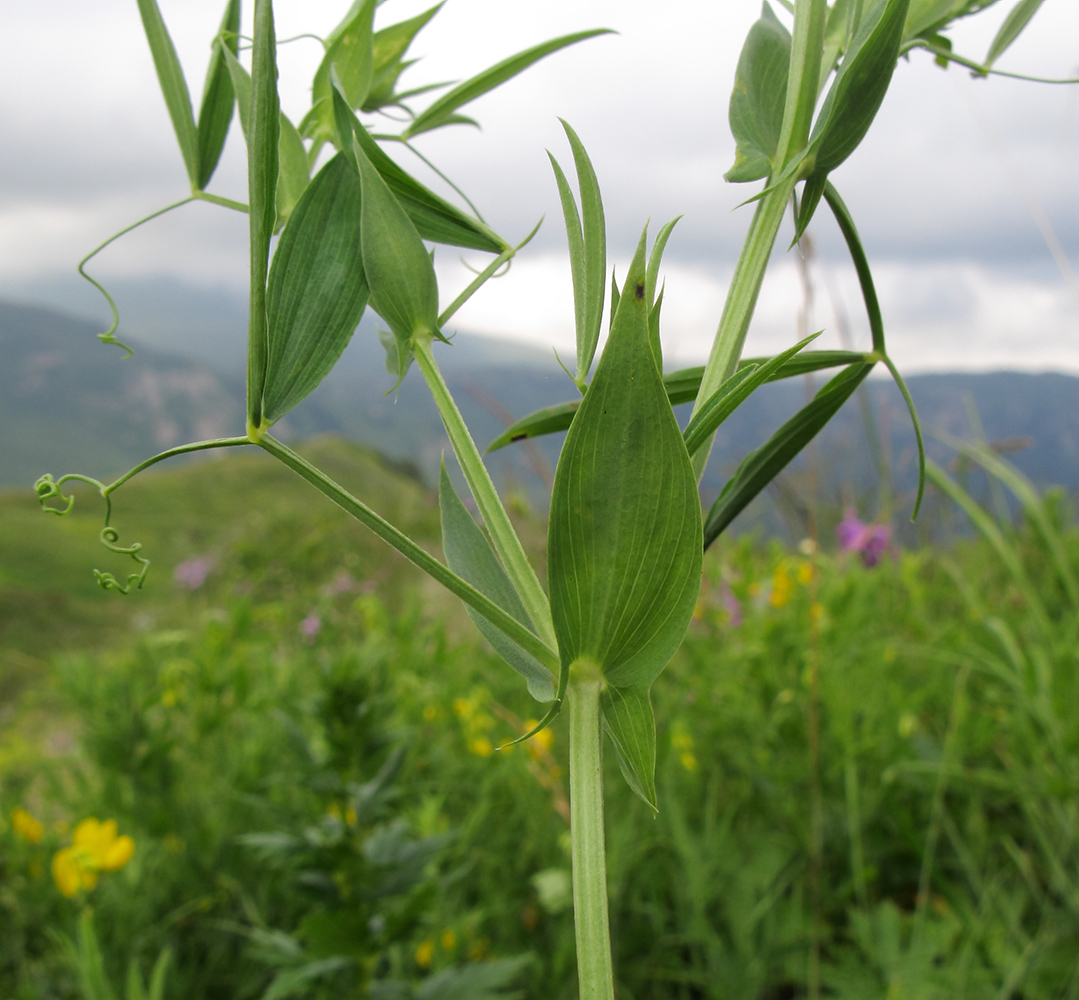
(868,777)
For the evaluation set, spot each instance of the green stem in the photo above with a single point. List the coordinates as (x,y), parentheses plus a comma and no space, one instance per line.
(741,301)
(595,973)
(503,537)
(411,551)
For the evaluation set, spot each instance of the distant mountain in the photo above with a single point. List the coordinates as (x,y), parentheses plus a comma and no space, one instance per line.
(68,403)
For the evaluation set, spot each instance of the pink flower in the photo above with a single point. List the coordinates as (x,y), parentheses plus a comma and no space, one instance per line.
(868,540)
(193,572)
(730,604)
(310,626)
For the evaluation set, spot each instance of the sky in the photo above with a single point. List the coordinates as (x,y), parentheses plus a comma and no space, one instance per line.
(965,190)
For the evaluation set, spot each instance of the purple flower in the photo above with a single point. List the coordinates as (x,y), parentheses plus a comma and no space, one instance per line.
(192,573)
(310,626)
(868,540)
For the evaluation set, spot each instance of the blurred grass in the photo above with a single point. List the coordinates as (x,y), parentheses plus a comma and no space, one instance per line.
(949,756)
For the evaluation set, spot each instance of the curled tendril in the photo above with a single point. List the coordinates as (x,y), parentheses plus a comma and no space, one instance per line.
(109,538)
(48,489)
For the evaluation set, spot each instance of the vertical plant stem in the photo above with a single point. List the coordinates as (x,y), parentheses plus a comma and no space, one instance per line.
(594,969)
(741,301)
(503,537)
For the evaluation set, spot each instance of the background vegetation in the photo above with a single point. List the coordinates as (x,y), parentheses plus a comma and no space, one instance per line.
(298,733)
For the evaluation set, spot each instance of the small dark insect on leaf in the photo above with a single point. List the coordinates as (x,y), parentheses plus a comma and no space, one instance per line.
(518,437)
(638,290)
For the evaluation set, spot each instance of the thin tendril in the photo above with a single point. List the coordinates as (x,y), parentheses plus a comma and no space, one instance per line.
(108,337)
(48,489)
(412,149)
(979,68)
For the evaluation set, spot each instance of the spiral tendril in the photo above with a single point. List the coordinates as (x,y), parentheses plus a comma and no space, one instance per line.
(110,538)
(48,489)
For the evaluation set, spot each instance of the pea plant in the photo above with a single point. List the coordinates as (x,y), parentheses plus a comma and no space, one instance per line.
(626,530)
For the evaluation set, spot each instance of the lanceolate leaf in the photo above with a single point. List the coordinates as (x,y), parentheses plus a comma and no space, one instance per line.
(404,291)
(293,175)
(731,394)
(1018,18)
(681,387)
(854,99)
(760,91)
(263,137)
(628,719)
(434,217)
(293,170)
(173,86)
(351,54)
(441,112)
(470,556)
(590,278)
(215,115)
(624,560)
(389,47)
(860,85)
(317,289)
(760,467)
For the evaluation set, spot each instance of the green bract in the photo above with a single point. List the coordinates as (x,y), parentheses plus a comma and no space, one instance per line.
(624,540)
(404,290)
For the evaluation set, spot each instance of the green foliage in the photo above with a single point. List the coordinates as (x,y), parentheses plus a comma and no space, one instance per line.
(317,288)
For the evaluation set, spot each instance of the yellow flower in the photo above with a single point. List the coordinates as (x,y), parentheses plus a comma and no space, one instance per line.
(424,953)
(448,939)
(26,826)
(542,742)
(805,572)
(480,746)
(781,587)
(95,848)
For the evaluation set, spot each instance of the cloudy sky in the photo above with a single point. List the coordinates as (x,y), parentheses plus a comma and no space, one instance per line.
(960,190)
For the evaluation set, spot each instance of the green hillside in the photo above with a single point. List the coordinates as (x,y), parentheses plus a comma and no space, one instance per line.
(249,515)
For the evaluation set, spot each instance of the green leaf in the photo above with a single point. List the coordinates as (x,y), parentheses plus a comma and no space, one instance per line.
(853,100)
(760,92)
(404,290)
(655,258)
(760,467)
(215,115)
(549,420)
(389,47)
(351,54)
(293,174)
(263,138)
(470,556)
(629,722)
(434,218)
(1018,18)
(624,552)
(681,386)
(173,86)
(590,272)
(241,83)
(441,112)
(317,289)
(293,166)
(860,84)
(732,393)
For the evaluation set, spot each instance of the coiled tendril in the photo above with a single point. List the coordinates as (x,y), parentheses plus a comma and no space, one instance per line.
(48,488)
